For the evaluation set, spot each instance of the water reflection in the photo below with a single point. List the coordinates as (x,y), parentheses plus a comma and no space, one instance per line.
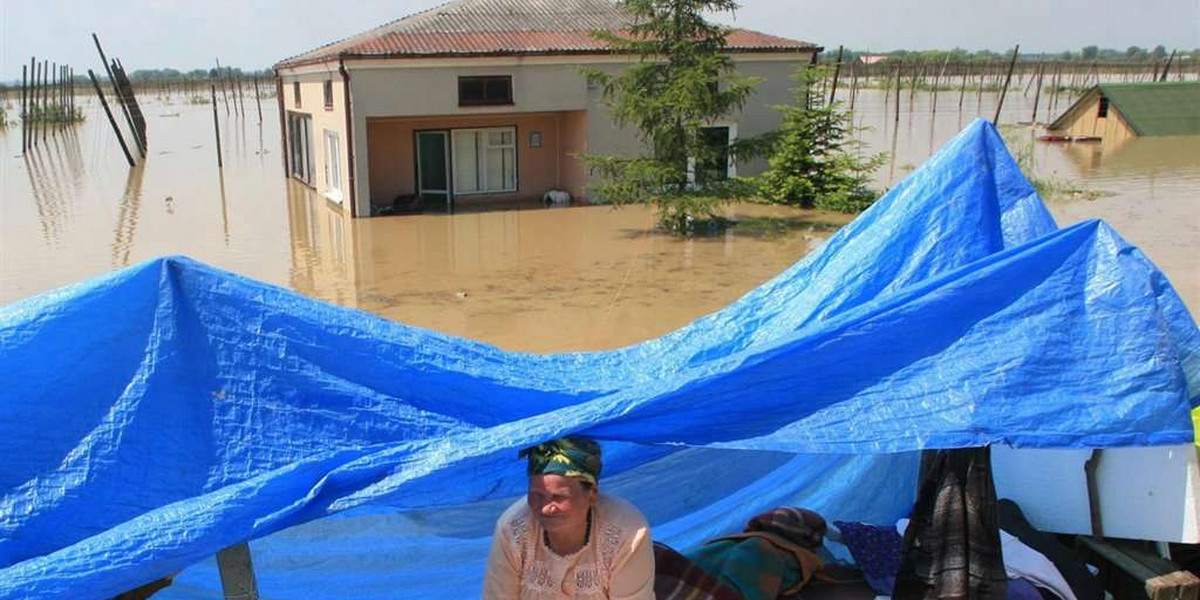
(540,279)
(127,217)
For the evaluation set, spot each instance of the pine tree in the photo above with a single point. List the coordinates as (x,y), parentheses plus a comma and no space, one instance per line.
(813,163)
(683,82)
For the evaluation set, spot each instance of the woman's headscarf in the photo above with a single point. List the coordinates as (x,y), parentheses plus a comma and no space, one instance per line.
(571,456)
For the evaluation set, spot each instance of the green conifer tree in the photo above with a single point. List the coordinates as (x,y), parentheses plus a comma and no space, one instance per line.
(814,162)
(683,82)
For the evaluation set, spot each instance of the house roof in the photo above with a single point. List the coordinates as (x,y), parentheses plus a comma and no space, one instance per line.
(1169,108)
(509,27)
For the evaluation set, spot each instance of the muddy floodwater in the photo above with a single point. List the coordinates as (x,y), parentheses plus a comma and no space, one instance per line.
(534,279)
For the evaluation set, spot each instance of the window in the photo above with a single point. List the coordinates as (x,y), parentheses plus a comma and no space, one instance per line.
(333,165)
(296,92)
(485,91)
(485,160)
(715,165)
(1103,112)
(328,94)
(300,146)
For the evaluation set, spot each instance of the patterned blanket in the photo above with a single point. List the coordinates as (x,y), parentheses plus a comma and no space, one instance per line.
(774,556)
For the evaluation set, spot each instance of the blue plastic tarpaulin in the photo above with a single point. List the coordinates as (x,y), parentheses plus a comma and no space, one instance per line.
(156,415)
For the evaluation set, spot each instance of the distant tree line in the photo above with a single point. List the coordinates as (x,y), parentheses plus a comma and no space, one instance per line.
(169,74)
(1085,54)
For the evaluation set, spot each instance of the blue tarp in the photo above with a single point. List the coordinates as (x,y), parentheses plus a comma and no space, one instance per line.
(155,415)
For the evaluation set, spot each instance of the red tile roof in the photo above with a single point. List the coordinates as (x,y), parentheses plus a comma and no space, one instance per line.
(509,27)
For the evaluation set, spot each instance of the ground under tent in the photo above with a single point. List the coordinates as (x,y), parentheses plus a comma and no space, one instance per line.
(161,413)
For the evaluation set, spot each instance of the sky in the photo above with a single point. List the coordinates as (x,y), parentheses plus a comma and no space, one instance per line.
(254,34)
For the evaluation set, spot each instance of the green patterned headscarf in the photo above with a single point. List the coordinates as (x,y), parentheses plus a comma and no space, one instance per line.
(571,456)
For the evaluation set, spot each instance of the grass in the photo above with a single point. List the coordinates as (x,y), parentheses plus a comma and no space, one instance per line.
(1049,188)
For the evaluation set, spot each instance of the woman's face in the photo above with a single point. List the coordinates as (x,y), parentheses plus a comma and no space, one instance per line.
(560,503)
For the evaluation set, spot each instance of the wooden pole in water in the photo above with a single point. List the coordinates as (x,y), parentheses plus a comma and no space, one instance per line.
(1004,89)
(258,99)
(937,78)
(111,120)
(1037,93)
(35,102)
(899,64)
(216,125)
(24,109)
(912,88)
(221,80)
(241,96)
(837,70)
(1167,67)
(853,83)
(45,96)
(962,86)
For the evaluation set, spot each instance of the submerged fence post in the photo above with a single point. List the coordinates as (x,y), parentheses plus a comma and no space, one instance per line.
(1004,88)
(216,124)
(111,120)
(898,65)
(258,99)
(24,109)
(837,70)
(1037,93)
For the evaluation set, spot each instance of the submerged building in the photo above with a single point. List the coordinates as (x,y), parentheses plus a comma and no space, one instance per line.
(1117,111)
(483,102)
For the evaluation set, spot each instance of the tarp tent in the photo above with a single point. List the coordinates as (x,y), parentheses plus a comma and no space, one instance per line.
(158,414)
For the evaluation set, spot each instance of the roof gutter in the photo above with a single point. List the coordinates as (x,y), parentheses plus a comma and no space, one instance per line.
(282,122)
(349,136)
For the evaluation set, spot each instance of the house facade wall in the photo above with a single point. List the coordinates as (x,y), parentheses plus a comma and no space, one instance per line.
(332,119)
(409,88)
(392,164)
(1112,128)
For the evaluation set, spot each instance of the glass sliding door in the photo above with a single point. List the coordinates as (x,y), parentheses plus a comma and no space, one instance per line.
(485,160)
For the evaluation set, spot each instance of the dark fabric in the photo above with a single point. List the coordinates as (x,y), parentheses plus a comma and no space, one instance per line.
(799,526)
(1020,589)
(952,544)
(876,551)
(1083,584)
(677,577)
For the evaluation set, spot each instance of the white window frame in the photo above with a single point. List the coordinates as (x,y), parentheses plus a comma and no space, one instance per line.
(333,165)
(300,146)
(481,148)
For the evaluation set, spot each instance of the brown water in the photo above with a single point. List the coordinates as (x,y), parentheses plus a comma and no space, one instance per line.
(538,279)
(1149,187)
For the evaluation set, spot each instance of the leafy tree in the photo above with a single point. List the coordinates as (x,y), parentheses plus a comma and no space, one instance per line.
(814,163)
(1158,52)
(1089,52)
(684,82)
(1135,52)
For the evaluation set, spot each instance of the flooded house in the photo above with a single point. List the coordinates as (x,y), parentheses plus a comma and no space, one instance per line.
(483,102)
(1115,112)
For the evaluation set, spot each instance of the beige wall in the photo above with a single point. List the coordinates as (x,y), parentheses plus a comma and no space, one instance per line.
(312,103)
(406,88)
(393,168)
(1112,128)
(573,141)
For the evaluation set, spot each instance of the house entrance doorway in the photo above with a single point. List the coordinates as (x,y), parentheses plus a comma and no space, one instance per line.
(433,170)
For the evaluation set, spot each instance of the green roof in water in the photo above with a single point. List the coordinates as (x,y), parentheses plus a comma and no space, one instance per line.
(1170,108)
